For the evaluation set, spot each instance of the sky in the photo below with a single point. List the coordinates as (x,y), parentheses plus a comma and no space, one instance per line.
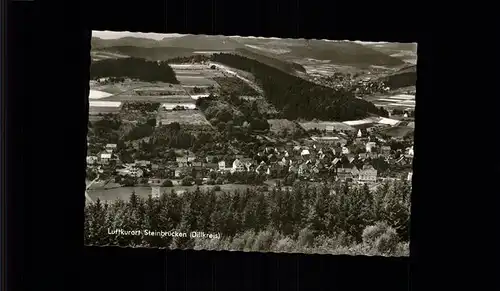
(106,34)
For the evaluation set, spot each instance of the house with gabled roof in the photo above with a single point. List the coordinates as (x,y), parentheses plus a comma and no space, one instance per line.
(238,166)
(368,174)
(303,169)
(105,158)
(344,174)
(222,165)
(182,161)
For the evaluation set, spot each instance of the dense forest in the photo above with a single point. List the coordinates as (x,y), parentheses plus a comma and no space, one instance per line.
(401,80)
(299,98)
(328,219)
(134,68)
(285,66)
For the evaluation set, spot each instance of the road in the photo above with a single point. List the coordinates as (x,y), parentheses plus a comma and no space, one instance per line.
(88,187)
(235,74)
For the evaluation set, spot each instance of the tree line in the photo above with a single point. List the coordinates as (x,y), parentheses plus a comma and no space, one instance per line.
(302,218)
(134,68)
(299,98)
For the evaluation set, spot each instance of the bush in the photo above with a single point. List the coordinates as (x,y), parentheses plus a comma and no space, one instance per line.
(306,238)
(381,238)
(263,241)
(198,181)
(187,181)
(210,182)
(285,245)
(217,188)
(387,242)
(219,181)
(167,183)
(373,232)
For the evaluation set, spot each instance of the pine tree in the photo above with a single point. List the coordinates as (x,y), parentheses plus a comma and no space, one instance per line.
(97,232)
(262,211)
(397,212)
(275,209)
(298,209)
(151,222)
(287,216)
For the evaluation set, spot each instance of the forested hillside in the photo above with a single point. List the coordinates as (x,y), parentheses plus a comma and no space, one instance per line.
(134,68)
(298,98)
(402,78)
(351,221)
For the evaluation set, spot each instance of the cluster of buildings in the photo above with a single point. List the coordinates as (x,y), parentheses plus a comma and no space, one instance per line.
(104,157)
(312,160)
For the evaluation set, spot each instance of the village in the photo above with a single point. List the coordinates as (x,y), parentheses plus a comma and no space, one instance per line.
(332,156)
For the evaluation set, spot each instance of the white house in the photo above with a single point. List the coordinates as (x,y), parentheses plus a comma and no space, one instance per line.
(92,160)
(369,146)
(410,151)
(368,174)
(238,166)
(105,158)
(345,150)
(135,172)
(110,147)
(222,165)
(359,133)
(305,153)
(410,176)
(142,163)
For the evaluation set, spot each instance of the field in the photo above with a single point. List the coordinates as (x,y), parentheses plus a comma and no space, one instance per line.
(322,125)
(280,126)
(96,107)
(195,75)
(398,131)
(195,80)
(192,117)
(102,55)
(124,192)
(95,94)
(400,101)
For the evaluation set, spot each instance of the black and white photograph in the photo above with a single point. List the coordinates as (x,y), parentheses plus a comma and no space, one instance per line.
(231,143)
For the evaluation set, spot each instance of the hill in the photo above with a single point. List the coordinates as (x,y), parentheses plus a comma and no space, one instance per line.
(150,53)
(343,53)
(203,42)
(288,67)
(404,77)
(97,42)
(299,98)
(393,47)
(134,68)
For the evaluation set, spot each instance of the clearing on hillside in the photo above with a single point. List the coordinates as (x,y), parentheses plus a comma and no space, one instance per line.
(284,126)
(191,117)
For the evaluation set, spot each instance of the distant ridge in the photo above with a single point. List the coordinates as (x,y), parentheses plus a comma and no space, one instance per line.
(203,42)
(125,41)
